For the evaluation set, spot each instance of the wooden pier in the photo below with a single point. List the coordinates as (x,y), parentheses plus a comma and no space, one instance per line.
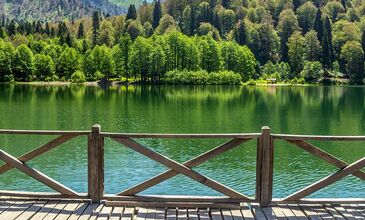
(78,209)
(129,204)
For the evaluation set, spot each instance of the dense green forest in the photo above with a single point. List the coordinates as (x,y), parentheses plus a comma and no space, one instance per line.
(57,10)
(193,42)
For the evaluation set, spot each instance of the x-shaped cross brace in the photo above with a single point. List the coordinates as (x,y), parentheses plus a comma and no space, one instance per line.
(185,168)
(345,170)
(19,163)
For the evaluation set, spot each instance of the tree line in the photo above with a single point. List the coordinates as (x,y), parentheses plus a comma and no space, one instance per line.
(282,39)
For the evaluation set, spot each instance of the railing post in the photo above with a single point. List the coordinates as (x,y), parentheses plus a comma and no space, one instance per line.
(95,164)
(264,167)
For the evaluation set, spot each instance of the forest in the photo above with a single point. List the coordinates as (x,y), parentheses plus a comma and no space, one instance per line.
(193,42)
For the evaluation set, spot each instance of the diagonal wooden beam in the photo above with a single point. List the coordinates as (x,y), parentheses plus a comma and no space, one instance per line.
(14,162)
(325,156)
(327,181)
(190,163)
(38,151)
(177,167)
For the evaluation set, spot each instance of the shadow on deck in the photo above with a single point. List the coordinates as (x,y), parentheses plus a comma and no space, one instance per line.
(84,209)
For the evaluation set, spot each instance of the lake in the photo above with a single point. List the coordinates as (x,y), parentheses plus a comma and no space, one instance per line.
(335,110)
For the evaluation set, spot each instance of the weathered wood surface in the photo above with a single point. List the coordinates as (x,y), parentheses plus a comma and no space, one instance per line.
(40,132)
(190,163)
(95,164)
(40,150)
(264,167)
(35,174)
(327,180)
(11,209)
(325,156)
(177,136)
(317,137)
(179,168)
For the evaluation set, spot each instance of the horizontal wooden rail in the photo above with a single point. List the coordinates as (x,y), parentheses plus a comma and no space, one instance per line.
(317,137)
(178,136)
(44,132)
(264,166)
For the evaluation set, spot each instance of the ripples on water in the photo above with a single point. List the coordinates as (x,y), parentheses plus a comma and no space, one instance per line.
(185,109)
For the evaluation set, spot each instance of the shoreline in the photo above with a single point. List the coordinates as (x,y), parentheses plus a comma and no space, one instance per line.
(121,83)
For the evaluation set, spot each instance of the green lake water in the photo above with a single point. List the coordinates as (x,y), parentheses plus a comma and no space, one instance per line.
(184,109)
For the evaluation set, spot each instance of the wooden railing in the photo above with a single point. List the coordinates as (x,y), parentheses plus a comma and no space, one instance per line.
(264,166)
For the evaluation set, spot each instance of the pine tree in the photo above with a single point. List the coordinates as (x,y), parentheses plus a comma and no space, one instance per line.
(327,47)
(11,28)
(363,40)
(157,14)
(240,33)
(96,27)
(47,30)
(132,13)
(318,25)
(38,27)
(226,3)
(80,32)
(343,2)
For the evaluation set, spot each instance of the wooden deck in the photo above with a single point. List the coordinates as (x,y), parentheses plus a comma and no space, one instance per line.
(82,209)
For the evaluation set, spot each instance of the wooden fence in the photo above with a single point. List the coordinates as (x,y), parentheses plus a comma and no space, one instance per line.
(264,167)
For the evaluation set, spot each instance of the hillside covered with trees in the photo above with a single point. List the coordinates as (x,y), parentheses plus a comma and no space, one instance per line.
(58,10)
(194,42)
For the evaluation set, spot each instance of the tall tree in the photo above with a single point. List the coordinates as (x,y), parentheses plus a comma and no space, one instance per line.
(23,63)
(80,32)
(353,58)
(288,24)
(327,46)
(157,14)
(318,24)
(296,45)
(306,14)
(226,3)
(132,13)
(240,35)
(312,46)
(96,27)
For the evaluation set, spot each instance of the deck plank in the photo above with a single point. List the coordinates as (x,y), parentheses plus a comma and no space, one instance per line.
(193,214)
(258,212)
(79,209)
(105,213)
(247,212)
(203,214)
(236,214)
(160,213)
(353,211)
(68,210)
(33,209)
(171,214)
(128,213)
(151,214)
(311,214)
(182,214)
(45,210)
(56,210)
(216,214)
(89,210)
(322,212)
(298,212)
(116,213)
(334,212)
(15,210)
(226,213)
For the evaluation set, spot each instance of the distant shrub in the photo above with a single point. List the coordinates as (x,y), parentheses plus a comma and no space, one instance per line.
(78,77)
(202,77)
